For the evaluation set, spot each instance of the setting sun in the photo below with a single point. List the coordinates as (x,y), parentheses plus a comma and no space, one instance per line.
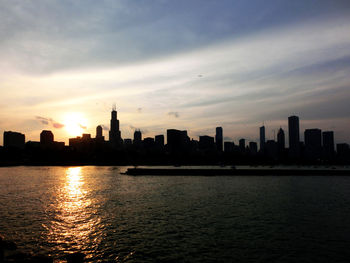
(75,124)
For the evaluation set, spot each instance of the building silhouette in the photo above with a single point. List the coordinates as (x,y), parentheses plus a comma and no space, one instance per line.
(46,137)
(313,148)
(206,142)
(219,139)
(177,141)
(343,152)
(328,144)
(281,142)
(271,149)
(99,131)
(127,142)
(242,145)
(14,140)
(137,137)
(228,147)
(159,140)
(262,138)
(253,147)
(294,137)
(114,133)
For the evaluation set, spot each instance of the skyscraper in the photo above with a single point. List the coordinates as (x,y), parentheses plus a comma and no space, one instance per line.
(281,140)
(219,139)
(294,137)
(262,138)
(114,133)
(328,144)
(312,144)
(137,137)
(99,131)
(46,137)
(242,145)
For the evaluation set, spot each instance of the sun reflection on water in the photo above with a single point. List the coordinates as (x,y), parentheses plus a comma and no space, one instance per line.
(73,221)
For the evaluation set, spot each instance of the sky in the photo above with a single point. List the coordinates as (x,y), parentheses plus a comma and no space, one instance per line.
(191,65)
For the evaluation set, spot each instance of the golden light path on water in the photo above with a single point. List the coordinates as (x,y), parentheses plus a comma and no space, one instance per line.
(73,224)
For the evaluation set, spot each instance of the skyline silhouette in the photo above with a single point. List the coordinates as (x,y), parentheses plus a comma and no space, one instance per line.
(177,147)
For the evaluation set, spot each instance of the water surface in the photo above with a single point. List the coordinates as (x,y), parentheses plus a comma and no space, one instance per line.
(119,218)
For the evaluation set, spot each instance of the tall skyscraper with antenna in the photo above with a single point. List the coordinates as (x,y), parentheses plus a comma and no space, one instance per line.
(114,133)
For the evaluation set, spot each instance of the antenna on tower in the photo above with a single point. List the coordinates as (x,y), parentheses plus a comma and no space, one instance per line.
(114,107)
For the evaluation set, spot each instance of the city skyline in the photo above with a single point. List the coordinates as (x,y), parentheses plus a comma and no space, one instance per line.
(187,65)
(291,140)
(264,132)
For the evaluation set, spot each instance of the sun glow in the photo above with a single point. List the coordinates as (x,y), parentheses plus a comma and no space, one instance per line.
(75,124)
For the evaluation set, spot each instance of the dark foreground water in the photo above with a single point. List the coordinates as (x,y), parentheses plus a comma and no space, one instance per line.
(118,218)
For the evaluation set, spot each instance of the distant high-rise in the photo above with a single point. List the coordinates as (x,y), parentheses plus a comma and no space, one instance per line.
(99,131)
(262,138)
(294,137)
(281,142)
(328,144)
(228,147)
(242,145)
(137,137)
(219,139)
(253,147)
(206,142)
(14,139)
(312,144)
(114,133)
(46,137)
(177,141)
(159,140)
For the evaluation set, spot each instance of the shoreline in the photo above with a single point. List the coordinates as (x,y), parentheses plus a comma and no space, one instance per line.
(235,172)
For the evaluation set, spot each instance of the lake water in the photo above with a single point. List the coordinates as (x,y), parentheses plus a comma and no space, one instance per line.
(119,218)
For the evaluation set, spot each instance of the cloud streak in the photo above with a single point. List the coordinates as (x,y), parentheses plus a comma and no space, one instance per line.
(49,121)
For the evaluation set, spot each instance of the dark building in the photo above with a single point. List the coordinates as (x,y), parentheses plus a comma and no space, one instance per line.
(114,133)
(46,137)
(14,140)
(242,145)
(328,144)
(99,131)
(313,148)
(206,142)
(159,140)
(148,142)
(271,149)
(82,144)
(281,142)
(262,138)
(228,147)
(343,152)
(177,141)
(127,142)
(253,147)
(219,139)
(294,137)
(137,137)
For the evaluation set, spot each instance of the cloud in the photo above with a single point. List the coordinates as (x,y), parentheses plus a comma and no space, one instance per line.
(43,120)
(139,110)
(58,125)
(174,114)
(49,121)
(82,126)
